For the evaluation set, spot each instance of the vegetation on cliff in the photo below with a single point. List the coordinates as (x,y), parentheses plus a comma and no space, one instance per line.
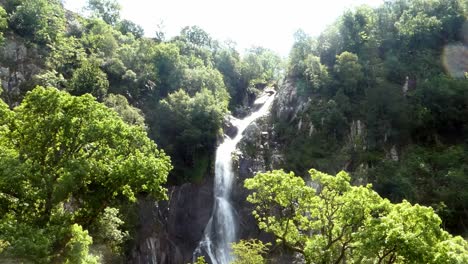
(382,93)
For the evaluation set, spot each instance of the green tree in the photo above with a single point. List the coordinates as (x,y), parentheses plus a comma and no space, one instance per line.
(260,66)
(40,20)
(89,78)
(197,36)
(199,78)
(348,72)
(169,68)
(340,223)
(228,62)
(301,49)
(131,115)
(3,23)
(73,158)
(187,128)
(316,73)
(126,26)
(107,10)
(249,251)
(100,39)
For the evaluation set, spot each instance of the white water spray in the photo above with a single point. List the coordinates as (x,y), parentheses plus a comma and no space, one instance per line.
(221,229)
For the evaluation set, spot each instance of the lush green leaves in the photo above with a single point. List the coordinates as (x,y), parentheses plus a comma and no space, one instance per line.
(73,157)
(340,223)
(41,20)
(249,251)
(89,78)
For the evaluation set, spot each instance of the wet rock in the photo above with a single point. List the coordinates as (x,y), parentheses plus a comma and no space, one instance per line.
(229,127)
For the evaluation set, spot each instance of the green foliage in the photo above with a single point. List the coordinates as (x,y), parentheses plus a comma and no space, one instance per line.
(261,65)
(107,10)
(348,72)
(43,21)
(249,251)
(188,127)
(66,54)
(3,22)
(200,78)
(228,62)
(73,157)
(169,68)
(128,113)
(196,36)
(340,223)
(78,247)
(100,39)
(89,78)
(301,49)
(429,175)
(386,73)
(316,73)
(126,26)
(107,229)
(200,260)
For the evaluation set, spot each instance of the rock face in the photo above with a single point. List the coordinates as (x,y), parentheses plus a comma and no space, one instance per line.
(169,231)
(18,64)
(229,127)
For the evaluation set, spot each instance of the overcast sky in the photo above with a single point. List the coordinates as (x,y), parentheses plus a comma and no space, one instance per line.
(267,23)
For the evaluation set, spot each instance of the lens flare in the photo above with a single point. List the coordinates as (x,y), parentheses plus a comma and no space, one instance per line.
(455,60)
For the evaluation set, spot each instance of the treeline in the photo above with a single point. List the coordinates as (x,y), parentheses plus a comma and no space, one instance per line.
(179,88)
(388,95)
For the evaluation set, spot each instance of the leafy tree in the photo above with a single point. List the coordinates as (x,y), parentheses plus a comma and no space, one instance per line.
(249,251)
(260,65)
(73,158)
(89,78)
(126,26)
(356,28)
(348,72)
(340,223)
(316,73)
(100,39)
(3,22)
(128,113)
(196,36)
(228,62)
(301,49)
(40,20)
(107,10)
(203,77)
(188,127)
(66,55)
(169,68)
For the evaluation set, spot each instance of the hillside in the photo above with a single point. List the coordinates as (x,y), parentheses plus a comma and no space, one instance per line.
(113,144)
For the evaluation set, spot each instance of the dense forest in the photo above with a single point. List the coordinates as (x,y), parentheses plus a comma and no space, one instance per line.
(95,116)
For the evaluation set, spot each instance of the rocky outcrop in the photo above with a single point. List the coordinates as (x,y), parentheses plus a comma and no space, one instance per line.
(19,62)
(288,104)
(169,231)
(229,126)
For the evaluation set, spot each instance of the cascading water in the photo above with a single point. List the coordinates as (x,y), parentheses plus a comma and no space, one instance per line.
(220,231)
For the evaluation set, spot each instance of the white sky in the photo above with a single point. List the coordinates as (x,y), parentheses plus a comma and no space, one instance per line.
(267,23)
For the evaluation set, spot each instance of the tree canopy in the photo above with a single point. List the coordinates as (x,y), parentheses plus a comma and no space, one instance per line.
(335,222)
(64,160)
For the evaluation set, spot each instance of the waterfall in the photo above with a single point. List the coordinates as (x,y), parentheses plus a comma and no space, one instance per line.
(221,231)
